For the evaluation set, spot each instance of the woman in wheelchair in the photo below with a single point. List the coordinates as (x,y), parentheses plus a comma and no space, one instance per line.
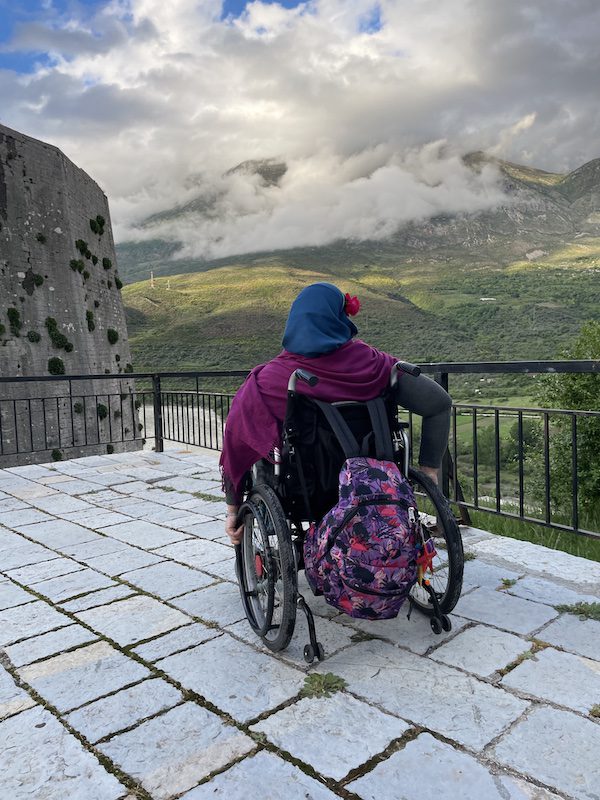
(333,366)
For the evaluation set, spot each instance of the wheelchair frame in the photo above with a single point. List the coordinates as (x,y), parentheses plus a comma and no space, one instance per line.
(268,559)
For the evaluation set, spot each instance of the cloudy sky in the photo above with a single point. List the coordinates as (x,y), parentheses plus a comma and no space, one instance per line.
(369,103)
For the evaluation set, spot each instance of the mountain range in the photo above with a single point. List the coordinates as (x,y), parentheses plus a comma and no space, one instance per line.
(512,282)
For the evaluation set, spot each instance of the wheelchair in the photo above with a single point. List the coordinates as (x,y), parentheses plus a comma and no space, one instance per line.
(299,486)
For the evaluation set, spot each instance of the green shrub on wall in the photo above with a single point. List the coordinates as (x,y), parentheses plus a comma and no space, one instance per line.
(118,282)
(41,238)
(110,449)
(14,319)
(112,335)
(102,411)
(82,246)
(56,366)
(2,329)
(94,260)
(57,338)
(106,263)
(94,226)
(78,407)
(38,279)
(33,336)
(57,455)
(89,315)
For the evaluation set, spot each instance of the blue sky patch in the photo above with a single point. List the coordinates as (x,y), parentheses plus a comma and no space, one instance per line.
(234,8)
(371,21)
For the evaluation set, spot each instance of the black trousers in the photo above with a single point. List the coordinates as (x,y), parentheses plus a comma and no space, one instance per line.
(425,397)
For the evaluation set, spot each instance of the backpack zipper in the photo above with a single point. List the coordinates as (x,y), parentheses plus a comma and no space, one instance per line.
(376,500)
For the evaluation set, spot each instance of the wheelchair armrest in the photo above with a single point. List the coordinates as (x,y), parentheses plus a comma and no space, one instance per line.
(304,375)
(404,366)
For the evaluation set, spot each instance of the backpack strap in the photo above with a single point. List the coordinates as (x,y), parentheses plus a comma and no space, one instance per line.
(384,447)
(340,428)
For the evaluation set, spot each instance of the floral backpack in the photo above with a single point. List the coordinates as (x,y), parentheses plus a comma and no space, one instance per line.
(362,555)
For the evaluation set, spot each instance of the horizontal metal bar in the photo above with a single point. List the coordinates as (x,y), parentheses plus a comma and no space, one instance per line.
(475,367)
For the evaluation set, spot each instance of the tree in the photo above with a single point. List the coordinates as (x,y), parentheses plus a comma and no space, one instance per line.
(575,392)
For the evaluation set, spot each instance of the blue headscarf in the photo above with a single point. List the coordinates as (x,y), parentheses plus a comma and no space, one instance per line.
(317,323)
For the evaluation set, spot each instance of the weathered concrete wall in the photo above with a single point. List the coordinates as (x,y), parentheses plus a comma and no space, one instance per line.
(59,295)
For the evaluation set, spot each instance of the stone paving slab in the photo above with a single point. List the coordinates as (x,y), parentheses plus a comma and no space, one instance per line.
(480,574)
(328,733)
(173,752)
(258,683)
(418,690)
(447,773)
(125,559)
(24,554)
(17,520)
(220,603)
(39,758)
(331,635)
(284,781)
(48,644)
(167,579)
(142,534)
(196,552)
(541,590)
(96,518)
(581,636)
(414,633)
(544,677)
(124,709)
(176,641)
(29,620)
(541,560)
(71,679)
(133,619)
(35,573)
(507,612)
(12,595)
(557,748)
(481,650)
(99,598)
(72,585)
(57,533)
(12,698)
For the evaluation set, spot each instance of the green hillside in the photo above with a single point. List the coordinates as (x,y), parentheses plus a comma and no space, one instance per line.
(232,317)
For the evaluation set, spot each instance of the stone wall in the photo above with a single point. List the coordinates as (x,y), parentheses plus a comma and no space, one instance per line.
(60,304)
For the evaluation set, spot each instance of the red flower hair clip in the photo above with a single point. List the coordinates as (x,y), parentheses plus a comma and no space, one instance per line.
(352,305)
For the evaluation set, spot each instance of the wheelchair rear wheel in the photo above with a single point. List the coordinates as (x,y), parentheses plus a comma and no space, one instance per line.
(438,522)
(266,569)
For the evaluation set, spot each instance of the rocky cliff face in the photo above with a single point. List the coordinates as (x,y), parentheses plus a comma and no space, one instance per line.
(60,302)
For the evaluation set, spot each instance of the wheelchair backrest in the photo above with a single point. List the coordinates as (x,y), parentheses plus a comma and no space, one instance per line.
(312,453)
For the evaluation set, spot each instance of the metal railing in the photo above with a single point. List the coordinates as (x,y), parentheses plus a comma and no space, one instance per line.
(68,416)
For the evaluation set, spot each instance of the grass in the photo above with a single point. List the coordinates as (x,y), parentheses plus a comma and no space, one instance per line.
(595,711)
(322,685)
(583,610)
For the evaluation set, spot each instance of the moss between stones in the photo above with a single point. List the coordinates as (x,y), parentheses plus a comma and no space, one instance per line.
(14,319)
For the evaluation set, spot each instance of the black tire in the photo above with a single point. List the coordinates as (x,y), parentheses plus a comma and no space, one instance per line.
(269,599)
(438,521)
(309,653)
(446,623)
(436,625)
(320,652)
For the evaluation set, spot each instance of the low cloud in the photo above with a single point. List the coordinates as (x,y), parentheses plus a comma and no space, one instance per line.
(156,100)
(323,199)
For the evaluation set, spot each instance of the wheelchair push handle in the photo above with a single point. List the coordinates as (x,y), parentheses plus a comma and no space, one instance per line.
(404,366)
(303,375)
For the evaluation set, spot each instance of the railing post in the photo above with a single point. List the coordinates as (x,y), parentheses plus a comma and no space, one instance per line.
(158,426)
(442,379)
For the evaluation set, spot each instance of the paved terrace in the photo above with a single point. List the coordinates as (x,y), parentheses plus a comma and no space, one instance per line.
(128,669)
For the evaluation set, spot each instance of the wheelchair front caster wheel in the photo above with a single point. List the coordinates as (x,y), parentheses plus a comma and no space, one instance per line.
(446,623)
(436,625)
(309,653)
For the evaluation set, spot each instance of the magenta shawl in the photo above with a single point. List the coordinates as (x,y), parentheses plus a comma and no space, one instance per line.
(355,371)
